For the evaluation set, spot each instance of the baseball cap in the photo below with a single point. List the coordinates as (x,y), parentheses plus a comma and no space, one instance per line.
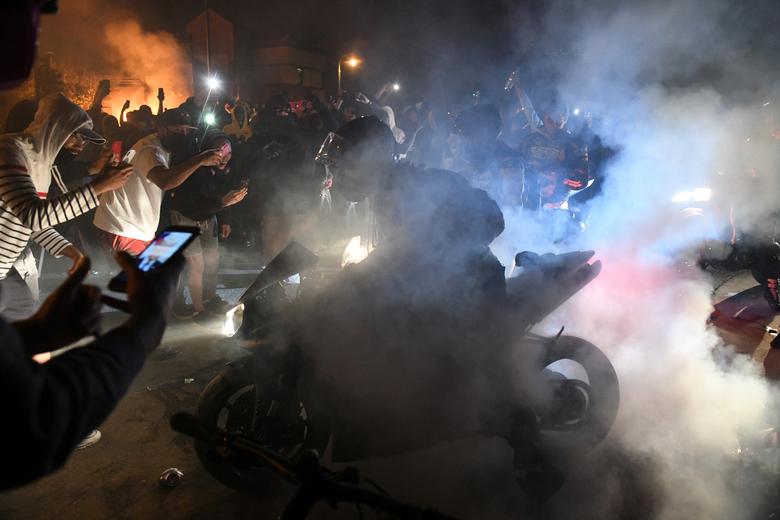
(174,117)
(90,135)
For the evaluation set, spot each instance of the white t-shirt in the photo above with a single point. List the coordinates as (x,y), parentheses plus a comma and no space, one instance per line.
(134,210)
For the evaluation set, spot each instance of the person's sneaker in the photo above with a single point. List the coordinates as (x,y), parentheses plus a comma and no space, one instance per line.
(183,311)
(217,305)
(89,440)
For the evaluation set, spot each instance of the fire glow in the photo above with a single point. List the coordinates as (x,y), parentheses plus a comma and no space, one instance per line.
(144,62)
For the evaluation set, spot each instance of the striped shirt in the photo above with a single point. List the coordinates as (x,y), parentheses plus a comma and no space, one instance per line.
(24,215)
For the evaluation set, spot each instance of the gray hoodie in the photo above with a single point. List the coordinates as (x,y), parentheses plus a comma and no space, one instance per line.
(25,175)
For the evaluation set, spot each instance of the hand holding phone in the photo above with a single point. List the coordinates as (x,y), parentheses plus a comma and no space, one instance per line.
(103,89)
(149,297)
(111,178)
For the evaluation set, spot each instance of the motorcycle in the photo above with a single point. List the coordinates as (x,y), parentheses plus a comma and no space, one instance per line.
(262,396)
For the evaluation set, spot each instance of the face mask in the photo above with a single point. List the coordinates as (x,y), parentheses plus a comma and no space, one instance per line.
(177,144)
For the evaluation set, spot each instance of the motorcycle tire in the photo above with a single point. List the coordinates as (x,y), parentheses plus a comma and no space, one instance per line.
(239,401)
(602,388)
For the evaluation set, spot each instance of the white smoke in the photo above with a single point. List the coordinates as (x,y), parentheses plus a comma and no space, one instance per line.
(639,66)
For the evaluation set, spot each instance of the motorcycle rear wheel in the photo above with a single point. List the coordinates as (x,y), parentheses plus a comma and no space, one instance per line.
(602,390)
(238,401)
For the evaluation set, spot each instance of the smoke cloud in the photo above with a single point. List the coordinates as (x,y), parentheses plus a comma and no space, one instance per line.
(681,89)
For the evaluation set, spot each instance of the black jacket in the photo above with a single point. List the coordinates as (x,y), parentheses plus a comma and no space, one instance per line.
(48,409)
(200,196)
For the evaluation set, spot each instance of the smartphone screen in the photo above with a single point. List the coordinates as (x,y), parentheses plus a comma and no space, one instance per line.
(162,248)
(165,245)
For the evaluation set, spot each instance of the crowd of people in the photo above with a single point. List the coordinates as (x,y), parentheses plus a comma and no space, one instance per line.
(194,165)
(268,172)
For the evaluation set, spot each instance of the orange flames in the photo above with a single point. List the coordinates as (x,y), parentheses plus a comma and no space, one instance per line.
(144,62)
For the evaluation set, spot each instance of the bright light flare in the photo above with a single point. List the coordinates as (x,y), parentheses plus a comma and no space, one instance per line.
(213,83)
(353,62)
(396,87)
(210,119)
(576,111)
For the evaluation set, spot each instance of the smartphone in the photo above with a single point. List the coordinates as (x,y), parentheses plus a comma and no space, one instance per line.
(128,158)
(170,242)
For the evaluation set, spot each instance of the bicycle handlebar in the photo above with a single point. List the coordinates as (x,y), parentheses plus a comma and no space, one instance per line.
(316,482)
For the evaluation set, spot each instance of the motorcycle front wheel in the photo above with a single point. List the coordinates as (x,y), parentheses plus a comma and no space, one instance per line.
(243,399)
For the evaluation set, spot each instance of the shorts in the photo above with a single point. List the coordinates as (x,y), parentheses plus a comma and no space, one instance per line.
(207,240)
(113,243)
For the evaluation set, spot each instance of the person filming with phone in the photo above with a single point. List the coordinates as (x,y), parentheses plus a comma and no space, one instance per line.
(128,218)
(197,202)
(51,408)
(26,161)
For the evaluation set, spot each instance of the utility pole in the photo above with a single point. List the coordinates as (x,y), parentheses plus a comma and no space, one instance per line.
(208,40)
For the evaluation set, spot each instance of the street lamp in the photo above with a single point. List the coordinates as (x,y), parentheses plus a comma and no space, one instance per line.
(352,62)
(213,83)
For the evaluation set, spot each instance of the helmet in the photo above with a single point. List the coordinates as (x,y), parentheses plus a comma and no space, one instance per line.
(356,153)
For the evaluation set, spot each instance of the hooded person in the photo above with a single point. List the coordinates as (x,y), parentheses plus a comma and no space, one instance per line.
(394,333)
(26,161)
(388,117)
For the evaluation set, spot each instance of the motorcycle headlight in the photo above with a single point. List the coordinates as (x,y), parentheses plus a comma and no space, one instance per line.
(697,195)
(683,196)
(233,320)
(702,194)
(355,252)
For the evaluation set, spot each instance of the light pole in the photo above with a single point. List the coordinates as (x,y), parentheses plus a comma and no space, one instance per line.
(352,61)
